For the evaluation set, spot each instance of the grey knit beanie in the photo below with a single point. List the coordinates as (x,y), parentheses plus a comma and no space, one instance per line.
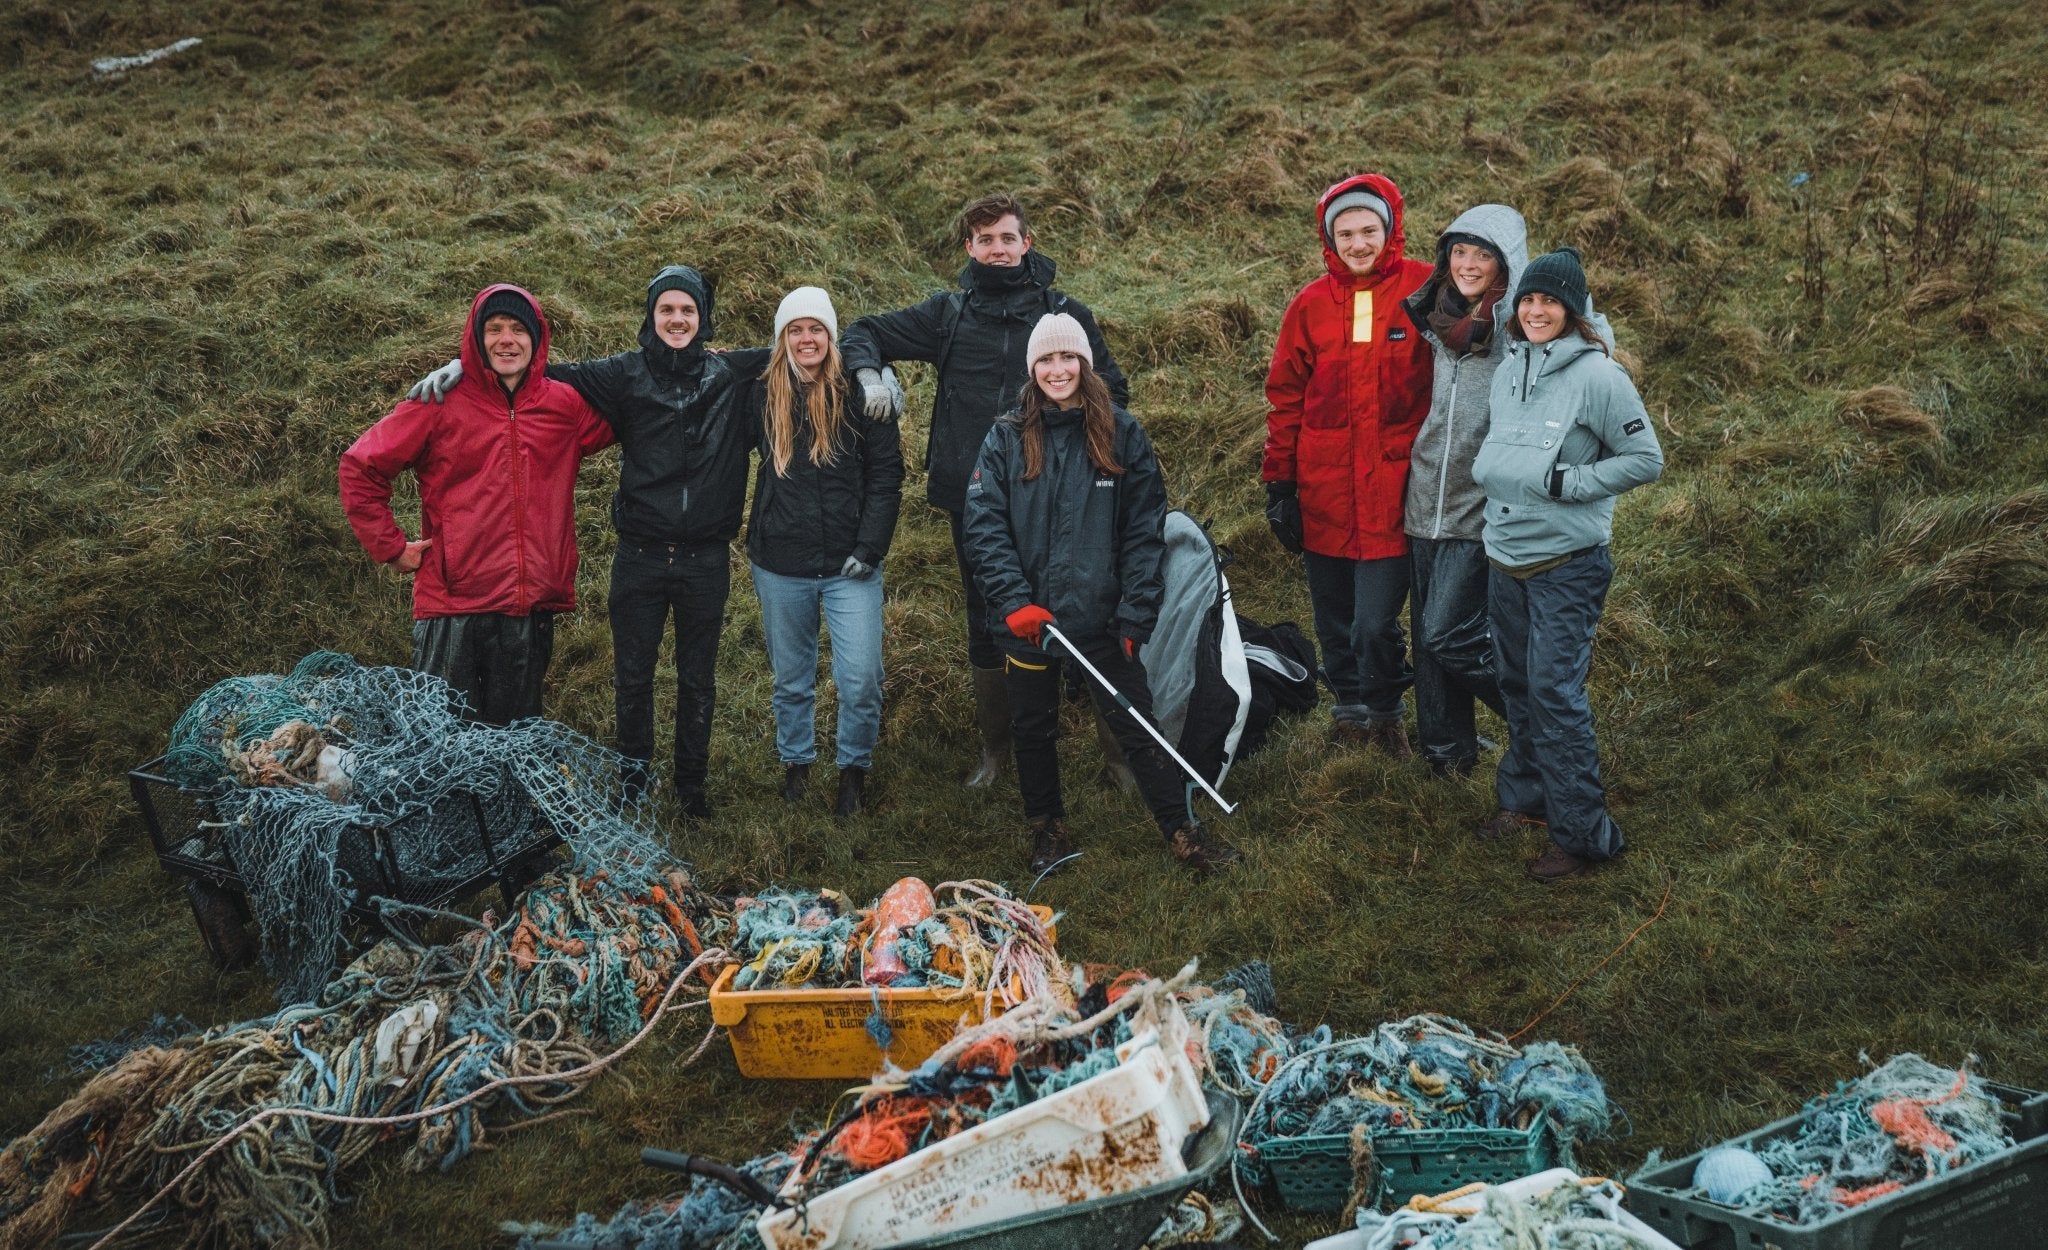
(1559,275)
(1355,199)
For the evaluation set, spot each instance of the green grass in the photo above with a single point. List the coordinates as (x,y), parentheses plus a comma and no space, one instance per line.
(1820,685)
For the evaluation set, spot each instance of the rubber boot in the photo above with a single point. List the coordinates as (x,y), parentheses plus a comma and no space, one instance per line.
(992,715)
(1116,770)
(796,778)
(852,781)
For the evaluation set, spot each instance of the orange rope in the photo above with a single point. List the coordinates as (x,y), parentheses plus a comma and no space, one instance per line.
(1570,989)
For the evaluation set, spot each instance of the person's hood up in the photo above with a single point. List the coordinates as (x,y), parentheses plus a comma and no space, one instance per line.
(1503,231)
(1390,255)
(686,358)
(477,369)
(1036,270)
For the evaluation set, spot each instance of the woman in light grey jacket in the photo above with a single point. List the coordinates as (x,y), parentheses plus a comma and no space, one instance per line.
(1567,434)
(1463,311)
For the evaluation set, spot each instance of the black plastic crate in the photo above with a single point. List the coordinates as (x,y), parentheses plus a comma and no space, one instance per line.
(2000,1203)
(511,842)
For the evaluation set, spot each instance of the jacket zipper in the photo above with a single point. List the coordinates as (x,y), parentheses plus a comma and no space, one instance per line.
(518,503)
(1444,469)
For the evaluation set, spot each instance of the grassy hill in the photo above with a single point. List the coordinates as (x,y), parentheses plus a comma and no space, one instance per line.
(1820,684)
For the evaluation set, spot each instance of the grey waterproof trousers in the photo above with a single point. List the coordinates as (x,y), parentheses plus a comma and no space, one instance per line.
(1543,646)
(1453,647)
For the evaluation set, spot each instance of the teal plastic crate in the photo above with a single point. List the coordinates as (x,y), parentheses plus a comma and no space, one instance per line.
(2000,1203)
(1314,1173)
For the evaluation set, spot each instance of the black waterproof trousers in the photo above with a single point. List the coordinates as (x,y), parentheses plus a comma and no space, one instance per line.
(981,645)
(497,662)
(1453,647)
(1543,642)
(1033,685)
(648,583)
(1357,606)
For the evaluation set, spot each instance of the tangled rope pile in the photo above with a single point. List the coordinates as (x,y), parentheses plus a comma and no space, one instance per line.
(243,1131)
(1582,1216)
(1906,1121)
(979,941)
(328,779)
(1427,1071)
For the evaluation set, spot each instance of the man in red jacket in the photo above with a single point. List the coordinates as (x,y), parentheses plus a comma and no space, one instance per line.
(1348,390)
(496,464)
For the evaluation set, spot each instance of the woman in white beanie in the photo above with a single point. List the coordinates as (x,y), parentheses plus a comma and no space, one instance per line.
(1065,512)
(825,502)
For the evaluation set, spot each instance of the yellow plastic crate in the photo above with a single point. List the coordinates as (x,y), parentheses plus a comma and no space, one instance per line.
(823,1035)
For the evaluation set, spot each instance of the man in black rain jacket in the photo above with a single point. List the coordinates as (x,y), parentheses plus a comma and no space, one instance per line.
(976,336)
(682,487)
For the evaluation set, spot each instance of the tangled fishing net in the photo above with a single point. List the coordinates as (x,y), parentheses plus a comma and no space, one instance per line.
(979,941)
(1569,1216)
(332,783)
(437,1046)
(1906,1121)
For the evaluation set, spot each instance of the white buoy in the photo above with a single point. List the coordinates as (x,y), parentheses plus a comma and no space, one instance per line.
(1727,1174)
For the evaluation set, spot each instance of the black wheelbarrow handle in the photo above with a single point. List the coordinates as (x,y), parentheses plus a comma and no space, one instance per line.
(711,1169)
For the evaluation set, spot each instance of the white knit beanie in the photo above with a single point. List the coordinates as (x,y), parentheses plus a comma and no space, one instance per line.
(806,301)
(1057,332)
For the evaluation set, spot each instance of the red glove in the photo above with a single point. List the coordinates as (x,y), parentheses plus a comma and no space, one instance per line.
(1130,647)
(1028,621)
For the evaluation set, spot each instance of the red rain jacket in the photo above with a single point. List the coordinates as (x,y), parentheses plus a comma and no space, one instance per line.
(497,479)
(1345,404)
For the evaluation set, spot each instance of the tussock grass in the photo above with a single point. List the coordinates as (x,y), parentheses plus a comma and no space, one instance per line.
(1819,682)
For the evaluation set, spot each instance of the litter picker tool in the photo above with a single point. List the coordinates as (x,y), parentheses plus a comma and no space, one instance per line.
(1147,725)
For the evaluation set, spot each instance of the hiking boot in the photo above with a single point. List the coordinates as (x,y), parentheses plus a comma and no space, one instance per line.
(636,780)
(1349,733)
(695,803)
(851,783)
(1506,824)
(1456,769)
(1049,846)
(796,778)
(1556,863)
(1116,770)
(1390,736)
(992,717)
(1201,850)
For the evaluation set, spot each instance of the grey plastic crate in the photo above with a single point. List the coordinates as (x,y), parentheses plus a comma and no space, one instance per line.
(2000,1203)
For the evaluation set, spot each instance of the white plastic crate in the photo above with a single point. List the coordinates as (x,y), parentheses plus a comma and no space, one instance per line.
(1110,1134)
(1521,1187)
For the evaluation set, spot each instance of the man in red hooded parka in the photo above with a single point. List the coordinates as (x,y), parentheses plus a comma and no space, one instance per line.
(496,464)
(1349,388)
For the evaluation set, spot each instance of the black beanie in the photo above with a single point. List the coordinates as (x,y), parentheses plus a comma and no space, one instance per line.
(508,303)
(692,283)
(1559,275)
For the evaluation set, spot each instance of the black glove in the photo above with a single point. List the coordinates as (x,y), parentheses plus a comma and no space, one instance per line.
(1283,514)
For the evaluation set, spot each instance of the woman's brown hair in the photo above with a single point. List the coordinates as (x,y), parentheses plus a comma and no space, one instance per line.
(1098,422)
(824,405)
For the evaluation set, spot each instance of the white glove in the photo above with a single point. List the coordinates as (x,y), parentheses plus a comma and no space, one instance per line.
(436,385)
(895,388)
(874,394)
(854,569)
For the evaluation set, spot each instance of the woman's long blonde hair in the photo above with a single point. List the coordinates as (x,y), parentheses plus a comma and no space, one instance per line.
(824,405)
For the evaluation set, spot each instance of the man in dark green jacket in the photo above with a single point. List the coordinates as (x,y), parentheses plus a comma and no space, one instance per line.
(976,336)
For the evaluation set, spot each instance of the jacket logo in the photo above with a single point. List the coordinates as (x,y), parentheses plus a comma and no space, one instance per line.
(1633,427)
(1396,335)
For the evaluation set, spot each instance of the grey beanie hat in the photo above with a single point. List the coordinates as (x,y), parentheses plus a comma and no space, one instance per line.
(1355,199)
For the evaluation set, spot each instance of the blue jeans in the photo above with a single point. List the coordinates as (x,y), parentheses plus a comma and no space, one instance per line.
(852,609)
(1543,650)
(1357,606)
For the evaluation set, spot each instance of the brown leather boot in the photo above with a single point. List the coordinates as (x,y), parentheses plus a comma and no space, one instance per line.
(1556,863)
(992,717)
(1201,850)
(1349,733)
(1390,736)
(1506,824)
(1050,847)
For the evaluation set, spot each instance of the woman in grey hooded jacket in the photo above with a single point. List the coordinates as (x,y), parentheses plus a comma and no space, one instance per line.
(1463,311)
(1567,434)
